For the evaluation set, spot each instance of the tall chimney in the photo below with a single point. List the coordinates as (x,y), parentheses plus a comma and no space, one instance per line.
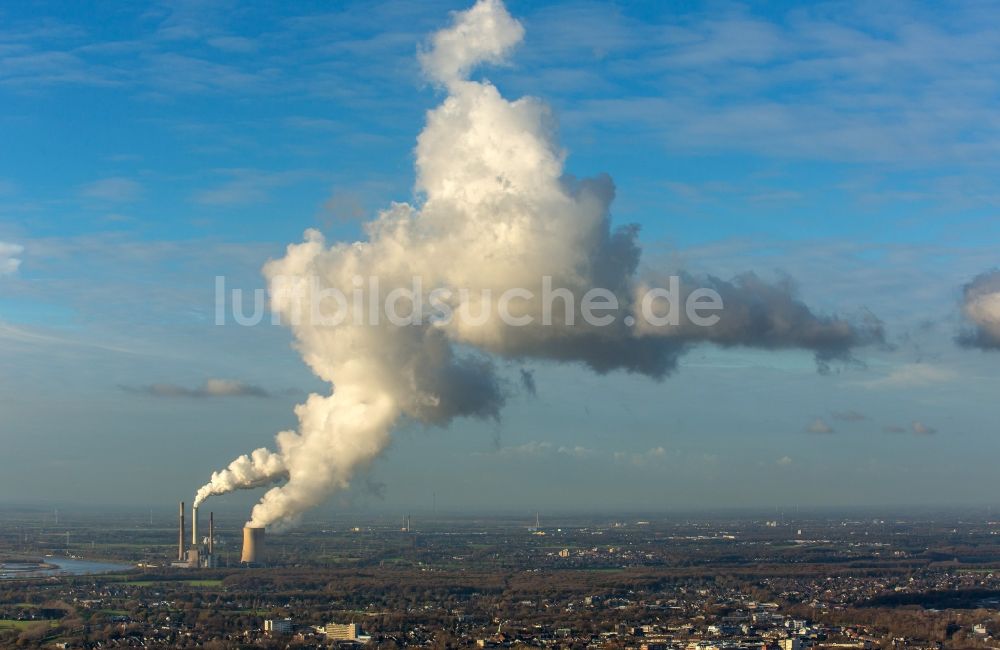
(194,526)
(253,545)
(211,533)
(180,536)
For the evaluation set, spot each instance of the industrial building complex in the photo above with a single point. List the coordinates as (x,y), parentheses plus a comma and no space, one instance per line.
(201,555)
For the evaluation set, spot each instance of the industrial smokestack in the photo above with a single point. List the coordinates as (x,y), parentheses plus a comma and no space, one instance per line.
(194,526)
(253,545)
(211,533)
(180,535)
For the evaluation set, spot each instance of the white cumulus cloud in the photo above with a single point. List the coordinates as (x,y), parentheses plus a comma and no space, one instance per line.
(981,308)
(486,33)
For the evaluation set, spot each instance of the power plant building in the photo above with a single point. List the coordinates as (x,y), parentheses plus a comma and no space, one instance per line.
(200,555)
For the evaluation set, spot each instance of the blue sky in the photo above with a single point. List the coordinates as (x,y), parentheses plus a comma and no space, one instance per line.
(146,149)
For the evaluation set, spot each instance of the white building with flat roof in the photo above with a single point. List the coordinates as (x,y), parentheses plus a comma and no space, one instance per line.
(342,632)
(278,626)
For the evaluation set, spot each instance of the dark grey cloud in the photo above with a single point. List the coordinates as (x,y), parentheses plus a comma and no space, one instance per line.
(770,315)
(756,313)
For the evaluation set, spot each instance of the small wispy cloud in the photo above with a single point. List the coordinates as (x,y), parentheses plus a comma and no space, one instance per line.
(530,448)
(819,425)
(848,416)
(211,388)
(784,461)
(116,189)
(49,342)
(912,375)
(578,452)
(314,123)
(247,186)
(641,458)
(542,449)
(10,258)
(343,207)
(917,428)
(233,44)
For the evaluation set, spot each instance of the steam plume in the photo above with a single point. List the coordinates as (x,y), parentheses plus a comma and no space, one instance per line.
(262,467)
(498,213)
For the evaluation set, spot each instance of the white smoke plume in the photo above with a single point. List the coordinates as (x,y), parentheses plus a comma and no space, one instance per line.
(259,468)
(981,308)
(486,33)
(497,212)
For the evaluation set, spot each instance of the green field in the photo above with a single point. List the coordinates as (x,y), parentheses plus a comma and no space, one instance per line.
(190,583)
(9,624)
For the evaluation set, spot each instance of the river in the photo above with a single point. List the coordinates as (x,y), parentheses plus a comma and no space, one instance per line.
(60,566)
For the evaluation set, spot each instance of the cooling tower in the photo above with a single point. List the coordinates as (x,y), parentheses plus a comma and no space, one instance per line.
(253,545)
